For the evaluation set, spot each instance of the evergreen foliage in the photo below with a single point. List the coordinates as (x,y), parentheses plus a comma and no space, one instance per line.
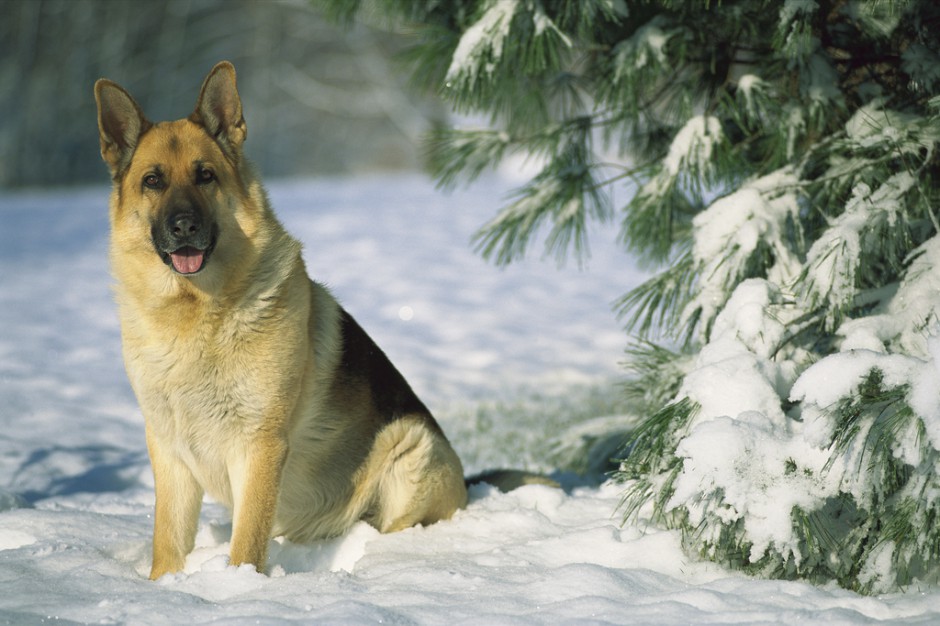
(780,159)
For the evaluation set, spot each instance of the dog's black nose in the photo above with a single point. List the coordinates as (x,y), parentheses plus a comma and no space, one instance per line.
(184,224)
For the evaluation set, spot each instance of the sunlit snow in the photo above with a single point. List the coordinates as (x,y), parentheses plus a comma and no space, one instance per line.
(76,493)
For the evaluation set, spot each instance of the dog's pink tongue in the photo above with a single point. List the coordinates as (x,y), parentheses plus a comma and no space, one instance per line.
(187,260)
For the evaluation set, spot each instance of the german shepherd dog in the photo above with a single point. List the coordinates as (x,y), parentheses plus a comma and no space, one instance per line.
(255,385)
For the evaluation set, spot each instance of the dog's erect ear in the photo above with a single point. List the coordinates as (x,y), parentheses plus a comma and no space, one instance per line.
(219,109)
(120,125)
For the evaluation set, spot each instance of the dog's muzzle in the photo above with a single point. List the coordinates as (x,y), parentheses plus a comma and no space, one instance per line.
(184,241)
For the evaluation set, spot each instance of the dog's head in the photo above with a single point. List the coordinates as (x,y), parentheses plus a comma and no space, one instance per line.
(175,180)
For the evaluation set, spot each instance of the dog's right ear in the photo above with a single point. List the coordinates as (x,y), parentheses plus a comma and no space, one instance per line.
(120,125)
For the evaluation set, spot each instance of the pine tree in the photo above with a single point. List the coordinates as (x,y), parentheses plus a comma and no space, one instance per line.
(780,159)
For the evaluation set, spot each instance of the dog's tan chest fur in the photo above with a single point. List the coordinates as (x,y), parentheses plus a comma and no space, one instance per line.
(214,377)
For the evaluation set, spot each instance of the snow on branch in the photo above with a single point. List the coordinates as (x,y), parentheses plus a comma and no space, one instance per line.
(481,46)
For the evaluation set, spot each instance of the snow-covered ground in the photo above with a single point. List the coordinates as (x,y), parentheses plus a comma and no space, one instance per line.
(76,492)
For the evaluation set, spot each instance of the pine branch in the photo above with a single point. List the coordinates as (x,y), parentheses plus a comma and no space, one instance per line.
(658,303)
(565,194)
(655,373)
(651,466)
(453,155)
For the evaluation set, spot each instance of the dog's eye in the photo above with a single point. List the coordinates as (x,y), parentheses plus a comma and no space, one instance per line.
(204,176)
(153,181)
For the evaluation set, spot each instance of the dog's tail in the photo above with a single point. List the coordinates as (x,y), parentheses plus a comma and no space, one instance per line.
(506,480)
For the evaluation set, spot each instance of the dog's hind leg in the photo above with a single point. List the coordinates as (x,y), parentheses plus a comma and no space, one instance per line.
(416,477)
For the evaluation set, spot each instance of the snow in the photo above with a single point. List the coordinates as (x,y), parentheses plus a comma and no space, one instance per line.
(873,125)
(834,257)
(544,24)
(483,41)
(692,147)
(481,45)
(820,82)
(749,87)
(727,234)
(825,382)
(741,440)
(646,48)
(76,493)
(924,399)
(752,488)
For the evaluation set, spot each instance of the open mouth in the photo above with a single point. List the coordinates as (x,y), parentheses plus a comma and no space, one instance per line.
(192,253)
(188,260)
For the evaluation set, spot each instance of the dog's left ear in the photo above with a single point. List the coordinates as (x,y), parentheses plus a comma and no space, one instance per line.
(219,109)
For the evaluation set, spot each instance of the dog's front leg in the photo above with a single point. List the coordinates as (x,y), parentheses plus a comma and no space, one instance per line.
(176,515)
(259,475)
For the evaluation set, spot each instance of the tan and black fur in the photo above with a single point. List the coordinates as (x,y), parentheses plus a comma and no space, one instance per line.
(256,386)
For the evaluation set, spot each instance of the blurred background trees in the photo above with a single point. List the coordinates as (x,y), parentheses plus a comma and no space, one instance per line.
(318,100)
